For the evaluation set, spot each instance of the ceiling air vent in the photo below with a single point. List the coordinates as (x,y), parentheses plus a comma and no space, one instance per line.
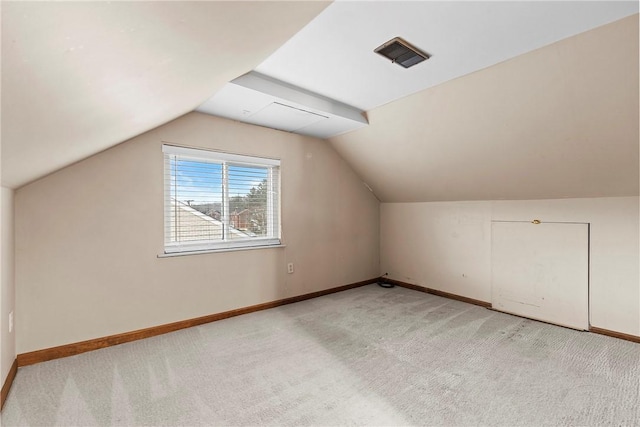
(401,52)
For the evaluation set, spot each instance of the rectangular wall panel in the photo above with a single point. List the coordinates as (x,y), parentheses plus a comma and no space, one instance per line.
(541,271)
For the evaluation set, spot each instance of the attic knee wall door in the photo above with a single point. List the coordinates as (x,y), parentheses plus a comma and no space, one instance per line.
(541,271)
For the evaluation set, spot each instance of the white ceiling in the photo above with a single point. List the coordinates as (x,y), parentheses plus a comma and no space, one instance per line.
(80,77)
(333,55)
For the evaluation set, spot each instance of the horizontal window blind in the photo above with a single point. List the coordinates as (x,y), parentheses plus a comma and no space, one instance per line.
(218,200)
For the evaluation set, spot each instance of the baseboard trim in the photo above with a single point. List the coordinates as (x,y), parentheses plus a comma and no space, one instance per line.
(437,292)
(614,334)
(73,349)
(8,382)
(595,330)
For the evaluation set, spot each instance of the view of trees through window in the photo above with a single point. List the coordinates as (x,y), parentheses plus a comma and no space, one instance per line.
(247,212)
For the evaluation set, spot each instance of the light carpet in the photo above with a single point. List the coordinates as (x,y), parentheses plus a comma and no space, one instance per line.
(367,356)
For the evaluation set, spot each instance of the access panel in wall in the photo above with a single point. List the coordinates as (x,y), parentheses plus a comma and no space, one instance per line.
(541,271)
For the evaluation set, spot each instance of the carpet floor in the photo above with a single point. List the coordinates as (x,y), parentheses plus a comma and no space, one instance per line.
(367,356)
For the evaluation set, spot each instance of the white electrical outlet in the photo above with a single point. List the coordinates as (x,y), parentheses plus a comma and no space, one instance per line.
(11,322)
(290,268)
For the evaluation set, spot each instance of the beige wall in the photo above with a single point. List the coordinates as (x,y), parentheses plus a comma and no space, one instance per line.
(447,246)
(88,236)
(7,284)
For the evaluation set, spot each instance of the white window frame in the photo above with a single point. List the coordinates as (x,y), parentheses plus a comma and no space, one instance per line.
(226,160)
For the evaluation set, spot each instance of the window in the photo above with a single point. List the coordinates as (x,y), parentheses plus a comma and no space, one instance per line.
(215,200)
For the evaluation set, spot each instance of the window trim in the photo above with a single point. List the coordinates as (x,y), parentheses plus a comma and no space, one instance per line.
(274,231)
(213,251)
(203,153)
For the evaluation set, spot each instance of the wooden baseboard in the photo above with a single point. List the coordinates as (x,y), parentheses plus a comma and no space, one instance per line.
(593,329)
(44,355)
(437,292)
(614,334)
(67,350)
(8,382)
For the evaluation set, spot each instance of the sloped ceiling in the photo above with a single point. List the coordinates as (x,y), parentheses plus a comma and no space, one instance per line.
(333,55)
(561,121)
(79,77)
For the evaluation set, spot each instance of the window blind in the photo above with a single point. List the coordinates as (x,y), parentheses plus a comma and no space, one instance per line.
(217,200)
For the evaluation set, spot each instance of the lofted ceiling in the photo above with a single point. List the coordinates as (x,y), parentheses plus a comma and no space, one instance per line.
(80,77)
(333,55)
(520,99)
(559,122)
